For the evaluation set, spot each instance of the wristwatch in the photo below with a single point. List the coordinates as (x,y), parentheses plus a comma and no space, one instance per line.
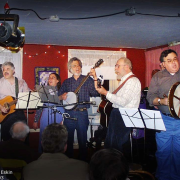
(159,101)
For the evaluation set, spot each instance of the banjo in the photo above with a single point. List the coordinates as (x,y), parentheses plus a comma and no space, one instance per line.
(72,97)
(174,100)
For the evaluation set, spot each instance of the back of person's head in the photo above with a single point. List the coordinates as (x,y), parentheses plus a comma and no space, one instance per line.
(19,130)
(54,138)
(165,54)
(108,164)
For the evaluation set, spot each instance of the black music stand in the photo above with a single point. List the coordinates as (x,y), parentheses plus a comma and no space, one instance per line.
(28,100)
(48,95)
(142,118)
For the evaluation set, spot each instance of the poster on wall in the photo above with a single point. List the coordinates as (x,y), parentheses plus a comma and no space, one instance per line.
(42,74)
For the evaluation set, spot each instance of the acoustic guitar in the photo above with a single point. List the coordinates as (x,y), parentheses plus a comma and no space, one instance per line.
(105,108)
(72,97)
(9,103)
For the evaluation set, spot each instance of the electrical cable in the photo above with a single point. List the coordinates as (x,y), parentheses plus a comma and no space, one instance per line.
(7,12)
(92,17)
(156,15)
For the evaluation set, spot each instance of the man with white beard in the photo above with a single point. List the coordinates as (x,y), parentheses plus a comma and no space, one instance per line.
(126,96)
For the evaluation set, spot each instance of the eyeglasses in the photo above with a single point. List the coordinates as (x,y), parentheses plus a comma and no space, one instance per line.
(117,65)
(171,61)
(75,66)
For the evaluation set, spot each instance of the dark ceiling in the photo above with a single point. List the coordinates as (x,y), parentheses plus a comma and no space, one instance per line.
(120,30)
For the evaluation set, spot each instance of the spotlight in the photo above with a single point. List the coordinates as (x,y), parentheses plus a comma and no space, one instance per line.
(11,37)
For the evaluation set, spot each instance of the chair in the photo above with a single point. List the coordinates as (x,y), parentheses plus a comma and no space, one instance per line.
(140,175)
(13,166)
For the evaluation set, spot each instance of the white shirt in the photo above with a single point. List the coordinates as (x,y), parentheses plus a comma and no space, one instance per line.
(8,89)
(129,95)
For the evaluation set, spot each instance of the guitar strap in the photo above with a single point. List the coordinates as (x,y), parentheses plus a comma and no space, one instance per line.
(116,90)
(16,87)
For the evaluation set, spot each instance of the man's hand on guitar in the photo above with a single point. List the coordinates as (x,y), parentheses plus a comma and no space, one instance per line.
(3,109)
(93,73)
(63,96)
(101,90)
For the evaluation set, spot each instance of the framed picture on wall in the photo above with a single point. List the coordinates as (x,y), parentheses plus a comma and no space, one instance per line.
(42,74)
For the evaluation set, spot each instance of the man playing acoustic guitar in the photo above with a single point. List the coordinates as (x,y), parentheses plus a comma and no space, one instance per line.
(168,142)
(127,95)
(9,90)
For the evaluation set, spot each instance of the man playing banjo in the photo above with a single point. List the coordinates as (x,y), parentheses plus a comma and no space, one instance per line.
(79,112)
(168,142)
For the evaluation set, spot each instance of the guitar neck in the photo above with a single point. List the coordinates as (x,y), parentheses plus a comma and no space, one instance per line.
(83,81)
(12,102)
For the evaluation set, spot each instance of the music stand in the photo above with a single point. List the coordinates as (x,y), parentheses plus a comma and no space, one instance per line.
(28,100)
(48,95)
(142,118)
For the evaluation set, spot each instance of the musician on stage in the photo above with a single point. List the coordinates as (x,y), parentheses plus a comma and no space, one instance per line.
(81,121)
(168,142)
(49,115)
(7,90)
(128,96)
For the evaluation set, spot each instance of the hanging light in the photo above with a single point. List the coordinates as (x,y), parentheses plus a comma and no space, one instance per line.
(11,37)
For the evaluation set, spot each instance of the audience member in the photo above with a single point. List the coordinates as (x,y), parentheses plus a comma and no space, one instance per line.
(15,148)
(108,164)
(53,163)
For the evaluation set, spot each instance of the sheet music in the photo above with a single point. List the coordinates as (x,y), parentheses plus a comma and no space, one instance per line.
(33,103)
(48,94)
(151,118)
(131,117)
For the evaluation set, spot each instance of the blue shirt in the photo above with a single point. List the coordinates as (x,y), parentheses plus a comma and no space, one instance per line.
(86,91)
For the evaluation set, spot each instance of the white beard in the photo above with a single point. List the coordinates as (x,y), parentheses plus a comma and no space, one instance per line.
(118,77)
(76,74)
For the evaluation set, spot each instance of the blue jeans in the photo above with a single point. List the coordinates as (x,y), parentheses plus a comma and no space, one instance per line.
(168,150)
(81,126)
(117,133)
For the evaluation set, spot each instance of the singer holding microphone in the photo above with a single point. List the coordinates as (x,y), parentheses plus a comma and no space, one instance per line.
(79,112)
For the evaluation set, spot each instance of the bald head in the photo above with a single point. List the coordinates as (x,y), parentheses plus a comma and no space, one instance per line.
(19,130)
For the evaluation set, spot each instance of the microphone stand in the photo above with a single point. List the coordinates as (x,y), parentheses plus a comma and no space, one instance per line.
(66,115)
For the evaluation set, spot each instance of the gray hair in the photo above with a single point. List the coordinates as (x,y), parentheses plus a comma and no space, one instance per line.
(71,61)
(8,63)
(127,62)
(54,138)
(19,130)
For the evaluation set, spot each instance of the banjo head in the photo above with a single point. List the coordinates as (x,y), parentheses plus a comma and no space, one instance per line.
(71,99)
(173,100)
